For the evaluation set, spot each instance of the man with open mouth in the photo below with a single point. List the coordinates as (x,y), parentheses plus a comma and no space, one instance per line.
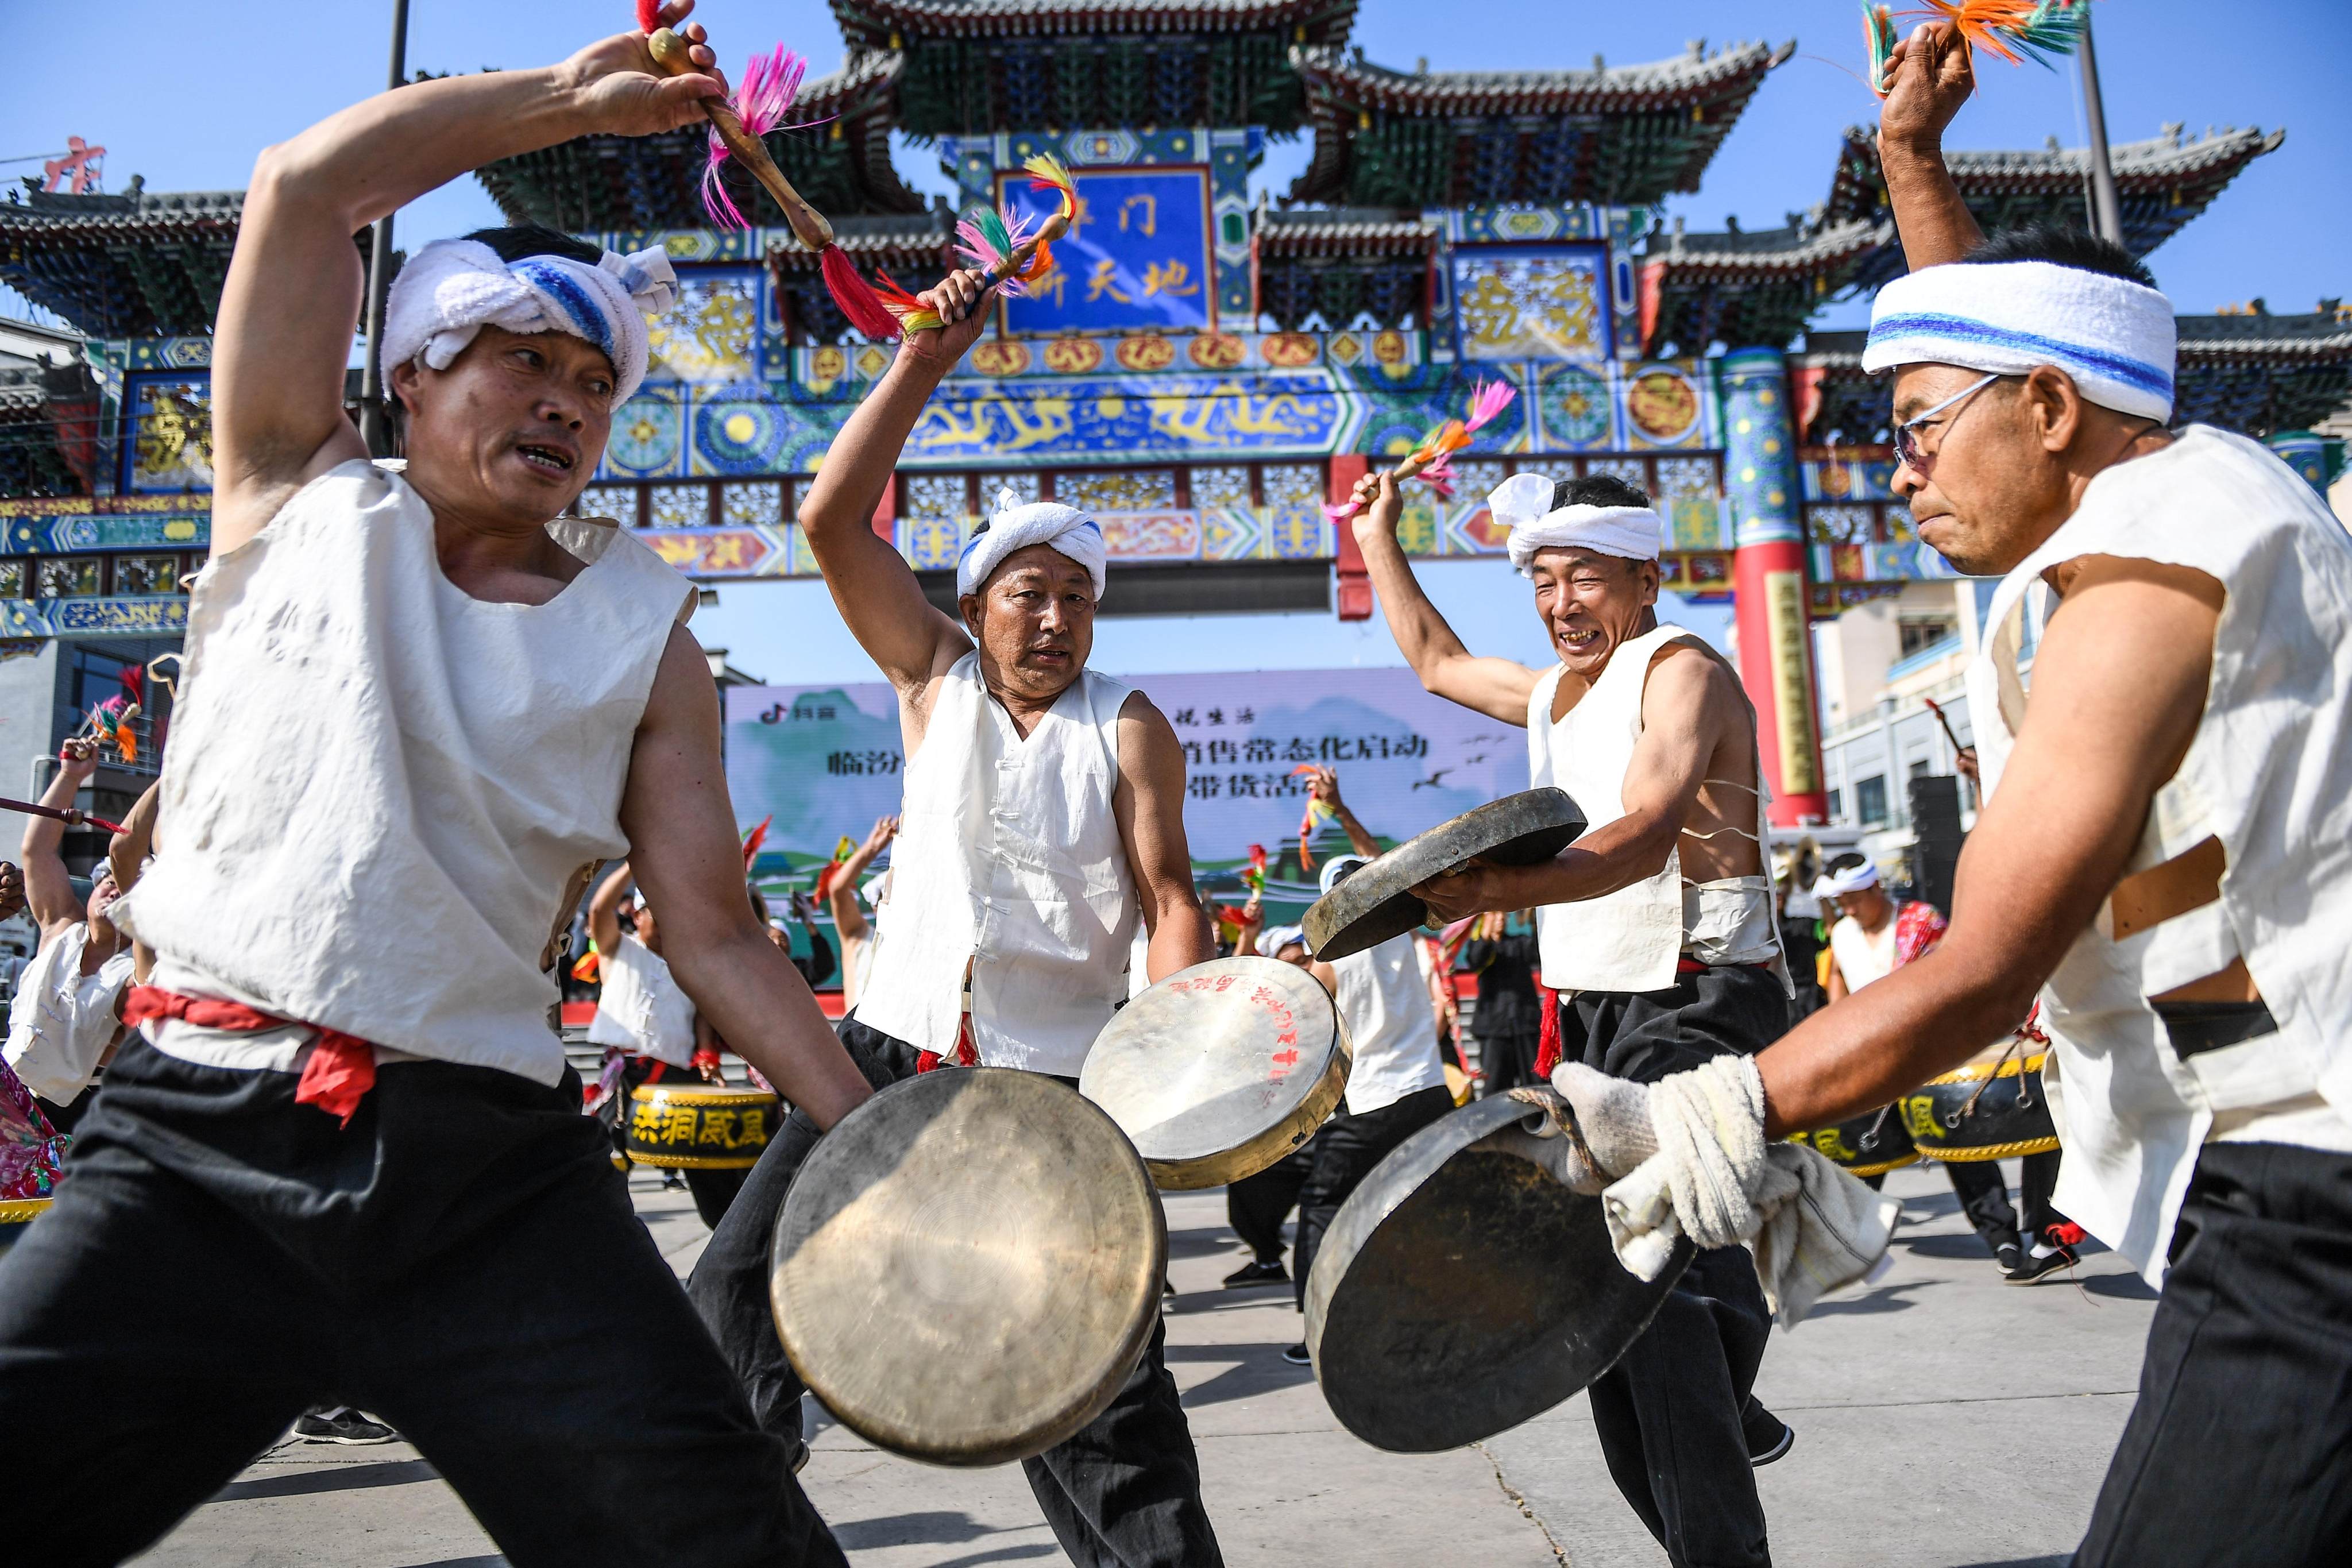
(346,1161)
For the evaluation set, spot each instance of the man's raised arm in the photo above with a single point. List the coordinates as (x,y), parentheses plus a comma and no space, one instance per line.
(690,864)
(872,585)
(1932,76)
(48,887)
(1498,688)
(291,299)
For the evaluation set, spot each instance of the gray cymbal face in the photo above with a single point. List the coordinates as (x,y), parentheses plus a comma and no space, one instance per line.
(1219,1070)
(1460,1292)
(968,1266)
(1377,901)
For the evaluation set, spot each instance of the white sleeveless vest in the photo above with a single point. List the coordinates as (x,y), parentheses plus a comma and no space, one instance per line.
(2269,773)
(380,790)
(1391,1027)
(62,1020)
(1629,940)
(1009,864)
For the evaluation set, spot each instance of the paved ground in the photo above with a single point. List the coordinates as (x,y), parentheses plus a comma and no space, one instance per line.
(1943,1420)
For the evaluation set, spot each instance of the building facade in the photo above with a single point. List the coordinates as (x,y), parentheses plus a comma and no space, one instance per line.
(1203,369)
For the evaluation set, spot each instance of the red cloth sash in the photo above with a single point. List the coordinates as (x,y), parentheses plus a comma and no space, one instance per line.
(966,1054)
(342,1068)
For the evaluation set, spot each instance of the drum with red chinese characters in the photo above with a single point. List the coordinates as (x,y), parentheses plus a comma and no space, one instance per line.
(1220,1069)
(691,1126)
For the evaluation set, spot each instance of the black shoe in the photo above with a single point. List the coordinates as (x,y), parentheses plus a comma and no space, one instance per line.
(2040,1265)
(800,1454)
(672,1181)
(1167,1288)
(342,1425)
(1297,1355)
(1769,1437)
(2010,1258)
(1256,1273)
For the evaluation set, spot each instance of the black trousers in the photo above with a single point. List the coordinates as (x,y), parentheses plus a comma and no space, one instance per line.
(1984,1198)
(2239,1452)
(1345,1153)
(1257,1206)
(1668,1413)
(713,1191)
(462,1260)
(1506,1062)
(1123,1493)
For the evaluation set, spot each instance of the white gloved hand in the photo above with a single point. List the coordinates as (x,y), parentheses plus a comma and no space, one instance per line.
(1612,1113)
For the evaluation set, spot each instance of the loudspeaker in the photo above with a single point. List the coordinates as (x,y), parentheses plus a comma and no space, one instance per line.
(1935,821)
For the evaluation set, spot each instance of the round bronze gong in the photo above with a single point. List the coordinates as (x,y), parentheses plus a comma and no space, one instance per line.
(1219,1070)
(1378,902)
(1461,1290)
(968,1266)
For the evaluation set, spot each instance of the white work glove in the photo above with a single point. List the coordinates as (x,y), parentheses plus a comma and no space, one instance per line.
(1555,1138)
(1613,1114)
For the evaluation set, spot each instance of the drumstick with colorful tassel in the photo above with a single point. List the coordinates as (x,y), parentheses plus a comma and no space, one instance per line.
(736,127)
(1009,258)
(1432,460)
(2010,30)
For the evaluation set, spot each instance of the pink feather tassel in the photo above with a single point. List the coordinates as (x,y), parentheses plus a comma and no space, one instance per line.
(761,99)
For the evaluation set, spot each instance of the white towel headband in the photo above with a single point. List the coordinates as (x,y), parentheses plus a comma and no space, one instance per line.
(452,288)
(2115,338)
(1522,503)
(1017,527)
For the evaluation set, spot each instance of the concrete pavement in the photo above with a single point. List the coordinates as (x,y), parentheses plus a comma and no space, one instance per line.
(1943,1418)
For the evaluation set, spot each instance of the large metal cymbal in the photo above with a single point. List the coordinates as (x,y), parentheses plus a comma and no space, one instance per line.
(968,1266)
(1219,1070)
(1461,1290)
(1377,901)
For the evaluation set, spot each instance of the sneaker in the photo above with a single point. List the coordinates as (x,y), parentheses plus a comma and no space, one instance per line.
(2043,1264)
(1769,1437)
(2009,1258)
(342,1425)
(1256,1273)
(673,1181)
(1297,1355)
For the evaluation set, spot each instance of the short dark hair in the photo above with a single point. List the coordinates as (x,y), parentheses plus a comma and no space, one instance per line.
(514,243)
(2062,245)
(1597,490)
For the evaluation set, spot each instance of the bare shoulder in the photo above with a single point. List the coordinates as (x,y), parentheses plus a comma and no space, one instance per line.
(1688,671)
(1146,738)
(2074,580)
(683,695)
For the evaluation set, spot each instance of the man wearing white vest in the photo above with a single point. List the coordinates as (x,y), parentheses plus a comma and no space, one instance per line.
(1042,825)
(2165,853)
(65,1017)
(347,1159)
(1657,928)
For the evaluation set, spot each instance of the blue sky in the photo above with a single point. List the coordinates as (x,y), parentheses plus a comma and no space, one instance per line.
(186,92)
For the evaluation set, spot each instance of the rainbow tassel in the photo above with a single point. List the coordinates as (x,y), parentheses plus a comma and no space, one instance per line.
(1878,37)
(1254,878)
(2012,30)
(1048,173)
(990,238)
(761,99)
(1430,458)
(841,854)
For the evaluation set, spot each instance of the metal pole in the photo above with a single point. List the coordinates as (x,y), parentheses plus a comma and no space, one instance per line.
(2106,212)
(375,429)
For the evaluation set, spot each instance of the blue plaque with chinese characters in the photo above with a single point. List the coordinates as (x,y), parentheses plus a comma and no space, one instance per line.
(1137,258)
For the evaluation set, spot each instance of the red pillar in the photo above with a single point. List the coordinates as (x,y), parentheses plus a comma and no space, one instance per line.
(1768,579)
(1354,594)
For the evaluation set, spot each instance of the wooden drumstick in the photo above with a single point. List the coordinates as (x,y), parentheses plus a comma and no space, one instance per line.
(675,55)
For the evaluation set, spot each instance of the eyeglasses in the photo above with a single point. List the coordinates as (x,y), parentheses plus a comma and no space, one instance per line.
(1907,438)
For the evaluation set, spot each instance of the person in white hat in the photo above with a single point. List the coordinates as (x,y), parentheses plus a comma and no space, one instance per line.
(2164,856)
(345,1158)
(1042,826)
(1658,929)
